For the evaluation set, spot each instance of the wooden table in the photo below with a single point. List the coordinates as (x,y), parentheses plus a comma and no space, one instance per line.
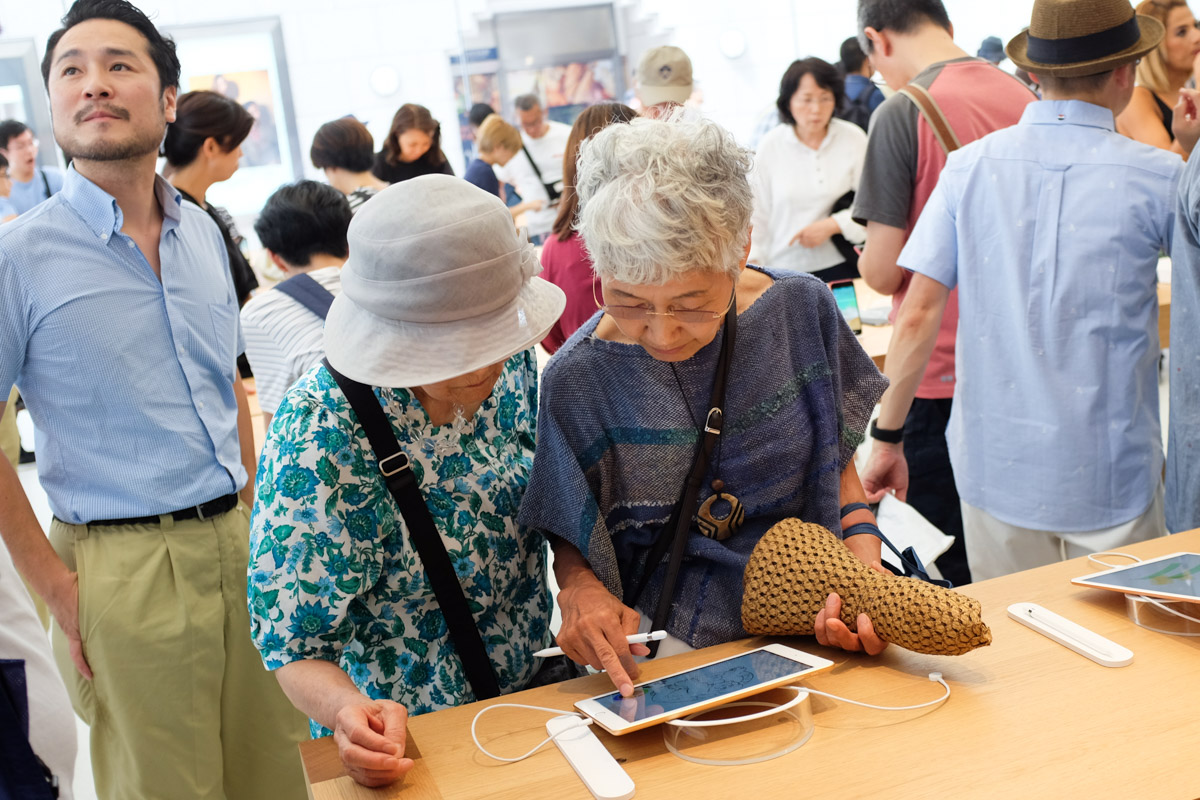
(1027,718)
(876,338)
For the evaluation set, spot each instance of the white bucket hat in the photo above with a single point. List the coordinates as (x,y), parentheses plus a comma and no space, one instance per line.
(438,284)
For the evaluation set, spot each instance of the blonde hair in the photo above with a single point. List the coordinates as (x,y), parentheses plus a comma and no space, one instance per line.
(495,132)
(1152,72)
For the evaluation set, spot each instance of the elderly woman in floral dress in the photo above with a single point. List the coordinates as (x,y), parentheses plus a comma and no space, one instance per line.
(438,312)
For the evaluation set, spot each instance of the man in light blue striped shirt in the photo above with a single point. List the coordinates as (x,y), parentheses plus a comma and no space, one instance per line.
(1051,230)
(119,324)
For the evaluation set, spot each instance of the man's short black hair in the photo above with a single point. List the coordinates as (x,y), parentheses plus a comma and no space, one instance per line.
(478,113)
(9,130)
(162,48)
(825,74)
(303,219)
(852,56)
(898,16)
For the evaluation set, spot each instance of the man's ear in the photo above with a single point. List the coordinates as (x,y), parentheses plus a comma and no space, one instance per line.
(277,261)
(881,42)
(169,97)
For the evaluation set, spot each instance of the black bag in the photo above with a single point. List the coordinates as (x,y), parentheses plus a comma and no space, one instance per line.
(553,190)
(23,776)
(858,110)
(845,249)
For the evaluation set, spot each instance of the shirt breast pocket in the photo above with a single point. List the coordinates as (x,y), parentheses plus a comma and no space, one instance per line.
(225,333)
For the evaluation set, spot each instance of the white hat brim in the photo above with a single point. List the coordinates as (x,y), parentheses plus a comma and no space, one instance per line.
(377,351)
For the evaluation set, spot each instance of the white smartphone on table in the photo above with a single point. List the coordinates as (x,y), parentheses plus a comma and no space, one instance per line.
(701,688)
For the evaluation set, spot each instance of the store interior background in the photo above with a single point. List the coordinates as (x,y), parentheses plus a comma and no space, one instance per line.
(367,57)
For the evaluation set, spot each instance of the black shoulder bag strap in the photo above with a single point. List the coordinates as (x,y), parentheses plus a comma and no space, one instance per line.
(402,483)
(46,183)
(305,290)
(675,533)
(551,190)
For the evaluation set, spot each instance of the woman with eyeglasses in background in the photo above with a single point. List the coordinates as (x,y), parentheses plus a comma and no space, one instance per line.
(1161,74)
(665,211)
(805,173)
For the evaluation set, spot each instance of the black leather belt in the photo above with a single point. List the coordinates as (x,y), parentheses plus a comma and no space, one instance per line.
(202,512)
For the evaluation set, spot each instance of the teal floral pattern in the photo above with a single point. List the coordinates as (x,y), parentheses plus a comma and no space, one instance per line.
(332,573)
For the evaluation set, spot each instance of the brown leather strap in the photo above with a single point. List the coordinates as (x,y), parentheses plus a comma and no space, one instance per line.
(933,115)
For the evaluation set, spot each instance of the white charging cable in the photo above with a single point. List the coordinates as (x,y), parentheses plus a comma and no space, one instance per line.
(584,721)
(1095,559)
(558,712)
(936,677)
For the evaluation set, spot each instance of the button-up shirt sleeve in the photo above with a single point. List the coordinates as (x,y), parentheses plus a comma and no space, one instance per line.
(932,250)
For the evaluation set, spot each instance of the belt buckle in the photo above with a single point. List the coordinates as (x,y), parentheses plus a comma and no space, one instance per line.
(200,512)
(403,464)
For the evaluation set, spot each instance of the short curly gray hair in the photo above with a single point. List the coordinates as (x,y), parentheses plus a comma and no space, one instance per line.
(659,198)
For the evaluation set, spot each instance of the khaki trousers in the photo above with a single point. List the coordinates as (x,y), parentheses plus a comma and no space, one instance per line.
(180,706)
(995,548)
(10,437)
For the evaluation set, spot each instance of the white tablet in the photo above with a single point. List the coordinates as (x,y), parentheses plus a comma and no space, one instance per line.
(1173,577)
(701,688)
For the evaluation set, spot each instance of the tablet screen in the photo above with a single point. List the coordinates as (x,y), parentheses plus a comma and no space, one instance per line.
(701,684)
(1178,574)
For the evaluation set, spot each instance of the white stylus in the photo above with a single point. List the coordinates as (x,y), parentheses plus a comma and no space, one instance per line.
(637,638)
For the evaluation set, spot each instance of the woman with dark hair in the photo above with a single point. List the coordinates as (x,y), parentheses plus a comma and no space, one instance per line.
(413,146)
(202,147)
(344,150)
(804,175)
(565,261)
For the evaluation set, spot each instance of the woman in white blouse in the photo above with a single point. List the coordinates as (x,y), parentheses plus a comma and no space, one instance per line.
(803,169)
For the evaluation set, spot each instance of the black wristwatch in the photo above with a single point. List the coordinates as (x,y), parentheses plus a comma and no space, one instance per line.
(885,435)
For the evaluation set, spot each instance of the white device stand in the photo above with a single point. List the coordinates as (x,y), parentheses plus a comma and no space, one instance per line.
(722,741)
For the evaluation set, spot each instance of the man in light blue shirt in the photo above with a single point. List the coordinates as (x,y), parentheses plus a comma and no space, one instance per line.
(1051,231)
(31,184)
(119,325)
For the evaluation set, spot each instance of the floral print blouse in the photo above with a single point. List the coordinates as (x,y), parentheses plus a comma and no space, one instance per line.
(333,574)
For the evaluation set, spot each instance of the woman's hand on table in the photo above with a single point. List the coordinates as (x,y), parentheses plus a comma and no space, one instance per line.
(370,737)
(817,233)
(594,628)
(832,632)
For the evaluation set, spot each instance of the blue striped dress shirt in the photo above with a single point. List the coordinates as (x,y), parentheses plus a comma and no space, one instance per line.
(128,379)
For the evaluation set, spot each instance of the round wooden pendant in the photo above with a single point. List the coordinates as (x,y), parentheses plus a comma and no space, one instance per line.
(730,519)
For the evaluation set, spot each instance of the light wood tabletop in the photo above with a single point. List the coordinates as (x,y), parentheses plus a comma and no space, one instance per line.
(1027,718)
(876,338)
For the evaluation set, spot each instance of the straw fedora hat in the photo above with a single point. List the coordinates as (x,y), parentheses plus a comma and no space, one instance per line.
(1074,38)
(438,284)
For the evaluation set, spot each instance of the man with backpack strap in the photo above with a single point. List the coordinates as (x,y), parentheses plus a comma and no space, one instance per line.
(303,227)
(911,43)
(862,95)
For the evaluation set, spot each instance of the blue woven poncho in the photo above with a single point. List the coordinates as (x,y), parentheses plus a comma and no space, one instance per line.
(616,440)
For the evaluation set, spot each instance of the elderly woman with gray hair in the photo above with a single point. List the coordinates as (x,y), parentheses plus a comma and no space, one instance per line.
(387,573)
(685,326)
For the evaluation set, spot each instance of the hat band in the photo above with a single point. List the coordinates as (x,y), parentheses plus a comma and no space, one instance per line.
(1084,48)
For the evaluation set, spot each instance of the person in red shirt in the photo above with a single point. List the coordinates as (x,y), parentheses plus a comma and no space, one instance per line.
(565,261)
(912,42)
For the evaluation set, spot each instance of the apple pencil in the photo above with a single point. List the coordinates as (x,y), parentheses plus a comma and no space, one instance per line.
(637,638)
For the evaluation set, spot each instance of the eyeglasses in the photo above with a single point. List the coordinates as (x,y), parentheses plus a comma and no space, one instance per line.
(17,147)
(642,314)
(823,100)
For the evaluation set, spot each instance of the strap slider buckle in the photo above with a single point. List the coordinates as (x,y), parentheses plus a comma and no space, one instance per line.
(389,471)
(714,421)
